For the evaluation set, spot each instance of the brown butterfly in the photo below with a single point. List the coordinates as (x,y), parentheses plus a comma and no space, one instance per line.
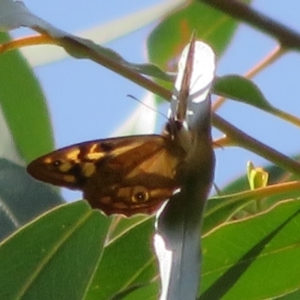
(124,175)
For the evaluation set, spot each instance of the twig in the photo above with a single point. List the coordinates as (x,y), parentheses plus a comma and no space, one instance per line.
(287,38)
(246,141)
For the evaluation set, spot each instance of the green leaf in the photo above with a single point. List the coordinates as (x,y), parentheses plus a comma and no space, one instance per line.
(53,257)
(145,292)
(295,295)
(243,90)
(21,197)
(257,258)
(23,105)
(221,209)
(120,225)
(127,262)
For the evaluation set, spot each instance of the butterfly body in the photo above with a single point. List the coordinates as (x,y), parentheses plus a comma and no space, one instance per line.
(125,175)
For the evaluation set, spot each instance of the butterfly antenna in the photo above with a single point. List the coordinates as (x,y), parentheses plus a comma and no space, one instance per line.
(148,106)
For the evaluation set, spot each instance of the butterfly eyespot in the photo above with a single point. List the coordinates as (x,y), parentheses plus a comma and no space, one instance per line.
(62,165)
(140,194)
(56,163)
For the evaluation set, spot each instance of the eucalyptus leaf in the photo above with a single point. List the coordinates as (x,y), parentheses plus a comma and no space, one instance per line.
(23,105)
(243,90)
(262,250)
(54,256)
(126,264)
(21,197)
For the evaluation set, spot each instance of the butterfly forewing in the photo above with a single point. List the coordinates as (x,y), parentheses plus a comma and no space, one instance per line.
(126,175)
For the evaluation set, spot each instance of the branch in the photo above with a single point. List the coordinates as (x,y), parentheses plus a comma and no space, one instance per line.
(240,11)
(246,141)
(236,135)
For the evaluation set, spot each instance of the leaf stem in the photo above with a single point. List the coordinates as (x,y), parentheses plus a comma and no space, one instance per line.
(286,116)
(274,189)
(26,41)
